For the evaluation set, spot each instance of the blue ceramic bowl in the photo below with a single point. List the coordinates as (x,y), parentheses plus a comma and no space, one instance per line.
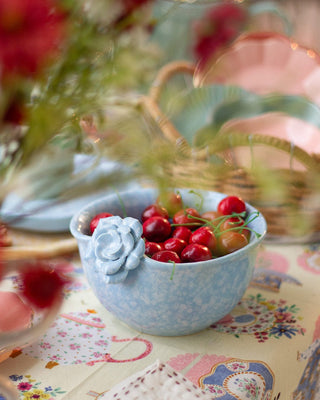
(148,300)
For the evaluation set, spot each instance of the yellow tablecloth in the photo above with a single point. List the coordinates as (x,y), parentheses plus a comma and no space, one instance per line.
(266,348)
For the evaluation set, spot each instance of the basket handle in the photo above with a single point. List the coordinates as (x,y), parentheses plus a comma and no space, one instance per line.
(150,103)
(224,142)
(166,73)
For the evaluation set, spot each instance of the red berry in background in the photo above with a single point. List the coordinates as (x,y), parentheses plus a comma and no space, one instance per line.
(131,5)
(156,229)
(182,232)
(216,29)
(230,241)
(154,210)
(204,236)
(231,204)
(151,248)
(175,244)
(15,112)
(166,256)
(186,217)
(41,285)
(195,252)
(171,201)
(95,220)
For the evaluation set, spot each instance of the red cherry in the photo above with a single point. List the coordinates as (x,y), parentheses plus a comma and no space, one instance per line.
(182,232)
(211,216)
(204,236)
(230,241)
(174,244)
(235,222)
(195,252)
(151,248)
(154,210)
(166,256)
(231,204)
(171,201)
(95,220)
(156,229)
(182,217)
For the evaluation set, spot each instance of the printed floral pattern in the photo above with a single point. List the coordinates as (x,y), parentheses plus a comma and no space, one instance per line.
(309,385)
(237,366)
(271,271)
(81,338)
(239,379)
(310,259)
(226,378)
(74,338)
(216,390)
(263,319)
(30,389)
(272,261)
(248,385)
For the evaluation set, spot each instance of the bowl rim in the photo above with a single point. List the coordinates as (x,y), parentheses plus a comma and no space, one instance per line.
(163,265)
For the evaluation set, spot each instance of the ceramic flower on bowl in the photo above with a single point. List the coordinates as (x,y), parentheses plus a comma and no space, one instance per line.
(156,297)
(116,248)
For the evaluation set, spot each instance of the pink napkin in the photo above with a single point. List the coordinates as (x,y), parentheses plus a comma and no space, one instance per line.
(157,382)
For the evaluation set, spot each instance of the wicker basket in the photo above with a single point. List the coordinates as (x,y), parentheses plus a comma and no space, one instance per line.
(290,203)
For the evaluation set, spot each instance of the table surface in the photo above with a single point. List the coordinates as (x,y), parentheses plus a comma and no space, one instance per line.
(270,340)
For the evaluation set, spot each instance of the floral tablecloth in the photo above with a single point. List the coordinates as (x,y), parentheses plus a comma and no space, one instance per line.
(268,347)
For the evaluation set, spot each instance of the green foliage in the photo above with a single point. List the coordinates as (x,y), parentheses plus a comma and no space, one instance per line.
(98,59)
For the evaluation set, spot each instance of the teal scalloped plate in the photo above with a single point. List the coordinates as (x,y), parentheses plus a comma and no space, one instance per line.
(217,105)
(50,215)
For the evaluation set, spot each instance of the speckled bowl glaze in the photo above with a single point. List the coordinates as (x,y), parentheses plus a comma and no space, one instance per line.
(198,294)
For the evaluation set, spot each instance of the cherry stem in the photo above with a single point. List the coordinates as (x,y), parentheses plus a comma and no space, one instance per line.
(198,206)
(124,211)
(216,227)
(173,269)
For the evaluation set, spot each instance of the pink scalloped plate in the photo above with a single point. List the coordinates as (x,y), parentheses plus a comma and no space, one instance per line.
(281,126)
(266,63)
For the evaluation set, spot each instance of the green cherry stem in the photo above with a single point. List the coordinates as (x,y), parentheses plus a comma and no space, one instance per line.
(198,206)
(124,211)
(216,227)
(173,269)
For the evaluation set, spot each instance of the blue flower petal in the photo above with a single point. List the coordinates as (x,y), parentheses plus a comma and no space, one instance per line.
(116,278)
(109,246)
(135,226)
(110,267)
(127,242)
(134,258)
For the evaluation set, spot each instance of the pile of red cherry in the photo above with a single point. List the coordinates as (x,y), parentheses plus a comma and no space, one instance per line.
(175,233)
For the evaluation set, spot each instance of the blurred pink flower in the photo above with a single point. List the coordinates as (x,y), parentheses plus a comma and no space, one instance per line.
(131,5)
(41,285)
(30,32)
(217,28)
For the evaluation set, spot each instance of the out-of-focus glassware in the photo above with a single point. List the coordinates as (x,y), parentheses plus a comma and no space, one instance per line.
(20,323)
